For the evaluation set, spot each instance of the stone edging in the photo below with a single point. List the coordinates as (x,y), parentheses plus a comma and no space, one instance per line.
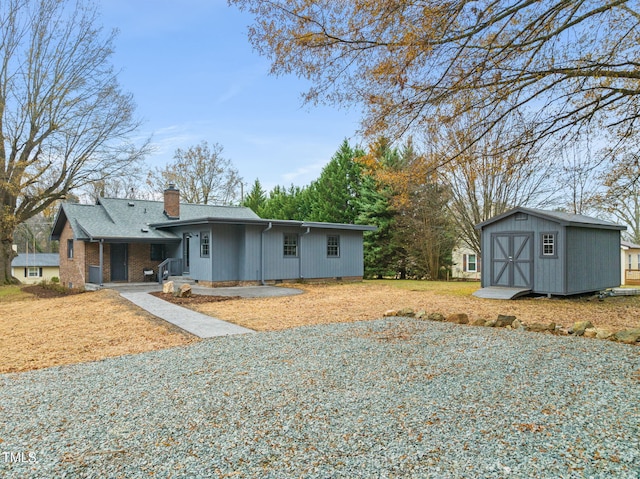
(580,328)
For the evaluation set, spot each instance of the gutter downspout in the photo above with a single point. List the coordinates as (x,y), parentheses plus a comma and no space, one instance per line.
(300,252)
(101,247)
(262,253)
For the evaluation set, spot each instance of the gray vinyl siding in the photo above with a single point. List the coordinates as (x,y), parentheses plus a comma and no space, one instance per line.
(548,273)
(316,264)
(225,252)
(276,265)
(594,259)
(586,258)
(250,254)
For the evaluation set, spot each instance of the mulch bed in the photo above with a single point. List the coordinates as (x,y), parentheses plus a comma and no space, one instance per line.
(45,293)
(194,298)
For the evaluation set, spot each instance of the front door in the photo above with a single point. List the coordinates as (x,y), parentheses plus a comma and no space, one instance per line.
(186,239)
(119,262)
(512,260)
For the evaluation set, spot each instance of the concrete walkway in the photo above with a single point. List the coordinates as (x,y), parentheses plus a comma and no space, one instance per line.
(195,323)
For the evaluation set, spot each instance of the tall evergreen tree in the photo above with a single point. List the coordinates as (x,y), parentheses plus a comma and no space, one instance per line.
(286,204)
(256,199)
(333,197)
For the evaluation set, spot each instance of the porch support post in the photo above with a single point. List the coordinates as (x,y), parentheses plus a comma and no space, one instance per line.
(101,249)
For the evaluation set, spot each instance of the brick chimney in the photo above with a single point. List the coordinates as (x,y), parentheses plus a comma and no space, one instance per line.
(172,202)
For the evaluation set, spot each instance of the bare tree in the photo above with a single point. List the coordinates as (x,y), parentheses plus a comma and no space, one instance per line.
(63,120)
(573,62)
(621,196)
(485,180)
(579,177)
(202,175)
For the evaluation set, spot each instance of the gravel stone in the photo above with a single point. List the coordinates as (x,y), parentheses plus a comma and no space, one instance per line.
(390,398)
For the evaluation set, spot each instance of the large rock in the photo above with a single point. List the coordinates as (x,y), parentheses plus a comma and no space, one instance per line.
(407,313)
(519,325)
(479,322)
(458,318)
(390,313)
(539,327)
(435,317)
(628,336)
(604,334)
(504,320)
(184,291)
(168,287)
(579,327)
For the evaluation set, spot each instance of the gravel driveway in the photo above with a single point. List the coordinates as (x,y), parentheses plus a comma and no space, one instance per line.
(387,398)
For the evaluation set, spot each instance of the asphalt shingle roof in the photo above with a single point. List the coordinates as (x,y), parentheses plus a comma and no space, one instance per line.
(36,259)
(559,216)
(122,219)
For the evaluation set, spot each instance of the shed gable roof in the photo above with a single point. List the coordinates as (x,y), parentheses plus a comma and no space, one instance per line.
(565,219)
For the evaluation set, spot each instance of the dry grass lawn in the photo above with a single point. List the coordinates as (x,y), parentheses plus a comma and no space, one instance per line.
(38,333)
(332,303)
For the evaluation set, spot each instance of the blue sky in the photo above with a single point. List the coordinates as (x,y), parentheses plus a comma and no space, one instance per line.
(194,77)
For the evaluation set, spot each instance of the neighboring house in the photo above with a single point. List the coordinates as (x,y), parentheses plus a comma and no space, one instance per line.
(630,263)
(33,268)
(466,263)
(119,240)
(550,252)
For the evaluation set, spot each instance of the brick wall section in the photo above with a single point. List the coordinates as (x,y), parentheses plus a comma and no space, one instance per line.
(92,255)
(72,270)
(139,260)
(75,271)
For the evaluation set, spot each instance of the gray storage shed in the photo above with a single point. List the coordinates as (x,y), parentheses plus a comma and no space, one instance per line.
(550,252)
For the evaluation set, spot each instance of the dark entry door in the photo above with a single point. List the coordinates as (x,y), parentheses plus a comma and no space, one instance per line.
(512,260)
(119,262)
(186,253)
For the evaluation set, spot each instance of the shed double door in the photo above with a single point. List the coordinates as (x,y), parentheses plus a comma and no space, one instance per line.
(512,260)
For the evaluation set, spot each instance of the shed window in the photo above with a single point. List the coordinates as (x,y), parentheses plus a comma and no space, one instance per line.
(333,246)
(204,244)
(70,249)
(522,216)
(548,244)
(290,245)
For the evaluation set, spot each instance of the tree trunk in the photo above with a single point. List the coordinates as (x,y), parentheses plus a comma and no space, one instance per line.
(6,255)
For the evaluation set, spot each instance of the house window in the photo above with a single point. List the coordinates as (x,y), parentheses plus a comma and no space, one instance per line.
(34,272)
(204,244)
(158,252)
(548,244)
(70,249)
(290,245)
(471,261)
(629,262)
(333,246)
